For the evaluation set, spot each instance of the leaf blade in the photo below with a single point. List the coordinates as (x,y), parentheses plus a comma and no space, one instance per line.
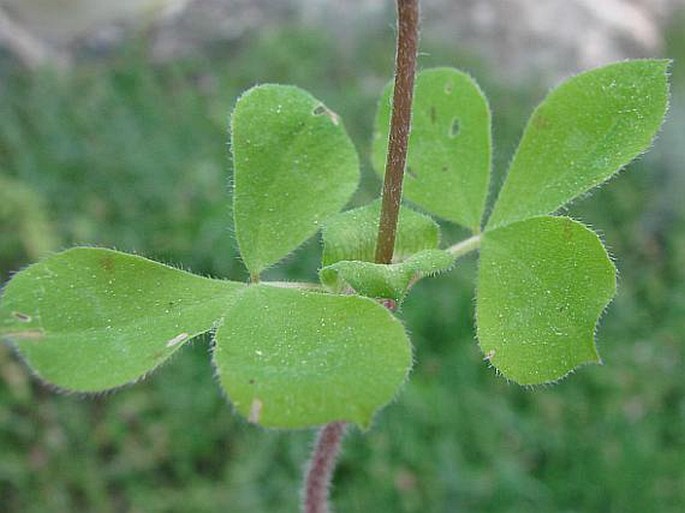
(319,357)
(91,319)
(542,286)
(351,235)
(585,131)
(385,281)
(294,166)
(449,153)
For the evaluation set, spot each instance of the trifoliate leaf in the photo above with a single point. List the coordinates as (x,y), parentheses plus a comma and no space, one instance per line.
(542,285)
(91,319)
(586,130)
(294,166)
(295,359)
(351,235)
(448,160)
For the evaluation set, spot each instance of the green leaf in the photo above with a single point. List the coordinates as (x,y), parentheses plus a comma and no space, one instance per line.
(317,357)
(542,285)
(294,167)
(448,161)
(91,319)
(387,281)
(352,235)
(582,133)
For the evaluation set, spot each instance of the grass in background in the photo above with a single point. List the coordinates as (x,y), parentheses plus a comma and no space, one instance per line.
(125,154)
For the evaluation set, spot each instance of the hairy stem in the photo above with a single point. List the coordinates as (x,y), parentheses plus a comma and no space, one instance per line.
(405,69)
(327,446)
(317,484)
(466,246)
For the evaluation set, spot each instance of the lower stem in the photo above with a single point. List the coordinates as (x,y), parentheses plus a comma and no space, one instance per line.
(317,483)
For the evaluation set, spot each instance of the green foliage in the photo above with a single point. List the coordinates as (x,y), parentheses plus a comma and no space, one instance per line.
(154,180)
(116,166)
(352,235)
(294,166)
(582,133)
(290,358)
(542,285)
(448,164)
(24,227)
(541,333)
(91,319)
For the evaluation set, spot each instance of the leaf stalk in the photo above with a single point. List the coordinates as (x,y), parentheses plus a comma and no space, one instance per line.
(465,246)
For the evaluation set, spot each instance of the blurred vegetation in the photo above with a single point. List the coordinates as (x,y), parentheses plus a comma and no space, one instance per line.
(126,154)
(26,233)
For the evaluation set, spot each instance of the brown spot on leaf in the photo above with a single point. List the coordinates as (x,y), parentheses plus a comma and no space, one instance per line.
(433,114)
(541,122)
(107,263)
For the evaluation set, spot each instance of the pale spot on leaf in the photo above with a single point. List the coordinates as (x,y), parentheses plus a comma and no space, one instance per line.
(181,337)
(28,335)
(255,411)
(322,110)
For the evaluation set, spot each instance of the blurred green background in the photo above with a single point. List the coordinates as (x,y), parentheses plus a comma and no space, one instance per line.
(124,153)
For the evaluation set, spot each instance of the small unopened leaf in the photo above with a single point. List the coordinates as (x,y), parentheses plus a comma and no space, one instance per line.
(295,359)
(586,130)
(91,319)
(294,167)
(352,235)
(448,161)
(542,285)
(387,281)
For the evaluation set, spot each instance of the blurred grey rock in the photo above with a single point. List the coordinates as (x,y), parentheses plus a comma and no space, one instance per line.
(210,21)
(549,38)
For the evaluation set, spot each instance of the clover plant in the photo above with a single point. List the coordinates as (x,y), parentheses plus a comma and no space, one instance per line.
(294,355)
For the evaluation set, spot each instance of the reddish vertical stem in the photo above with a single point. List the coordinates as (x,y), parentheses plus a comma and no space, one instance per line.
(405,69)
(322,464)
(320,472)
